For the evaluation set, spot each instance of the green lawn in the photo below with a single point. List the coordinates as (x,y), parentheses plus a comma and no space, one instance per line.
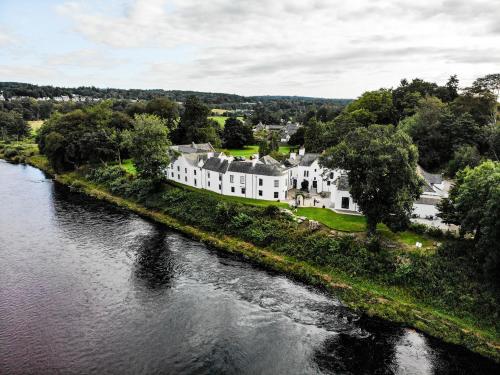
(334,220)
(250,150)
(222,119)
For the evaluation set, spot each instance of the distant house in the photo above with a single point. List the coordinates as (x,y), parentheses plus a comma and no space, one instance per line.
(288,130)
(2,97)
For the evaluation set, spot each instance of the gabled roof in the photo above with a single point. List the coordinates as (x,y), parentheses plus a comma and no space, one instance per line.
(269,160)
(216,165)
(193,148)
(307,159)
(257,169)
(430,179)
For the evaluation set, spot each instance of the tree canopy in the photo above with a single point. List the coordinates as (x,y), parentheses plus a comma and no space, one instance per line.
(381,168)
(236,134)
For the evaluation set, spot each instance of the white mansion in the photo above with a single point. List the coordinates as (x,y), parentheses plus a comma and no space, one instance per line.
(201,166)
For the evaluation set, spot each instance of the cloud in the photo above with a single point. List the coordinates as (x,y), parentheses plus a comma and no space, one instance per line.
(6,38)
(87,58)
(316,47)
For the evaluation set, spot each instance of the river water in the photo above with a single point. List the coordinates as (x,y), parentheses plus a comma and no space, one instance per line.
(87,288)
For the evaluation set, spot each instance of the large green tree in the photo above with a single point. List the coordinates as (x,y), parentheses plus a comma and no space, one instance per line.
(379,103)
(474,205)
(236,134)
(165,108)
(149,146)
(12,125)
(194,125)
(381,167)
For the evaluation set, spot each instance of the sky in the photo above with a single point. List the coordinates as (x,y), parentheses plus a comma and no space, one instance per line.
(321,48)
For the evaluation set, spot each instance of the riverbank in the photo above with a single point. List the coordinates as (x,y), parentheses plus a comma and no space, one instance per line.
(371,298)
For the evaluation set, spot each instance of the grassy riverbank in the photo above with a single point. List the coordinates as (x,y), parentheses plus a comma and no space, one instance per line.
(340,263)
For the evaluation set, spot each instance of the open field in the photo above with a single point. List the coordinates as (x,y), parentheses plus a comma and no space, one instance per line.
(221,120)
(251,150)
(35,125)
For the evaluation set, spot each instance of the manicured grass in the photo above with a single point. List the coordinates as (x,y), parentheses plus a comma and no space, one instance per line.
(357,223)
(251,150)
(334,220)
(222,119)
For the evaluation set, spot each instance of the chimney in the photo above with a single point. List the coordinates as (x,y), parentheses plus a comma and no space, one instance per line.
(254,161)
(302,151)
(293,155)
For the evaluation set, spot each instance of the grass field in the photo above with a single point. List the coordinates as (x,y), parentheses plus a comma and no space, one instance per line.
(35,125)
(250,150)
(221,120)
(218,111)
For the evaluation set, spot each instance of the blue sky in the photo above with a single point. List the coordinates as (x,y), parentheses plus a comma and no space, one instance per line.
(287,47)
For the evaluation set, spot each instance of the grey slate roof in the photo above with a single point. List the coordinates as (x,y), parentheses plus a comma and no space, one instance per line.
(269,160)
(216,165)
(430,179)
(258,168)
(308,159)
(193,148)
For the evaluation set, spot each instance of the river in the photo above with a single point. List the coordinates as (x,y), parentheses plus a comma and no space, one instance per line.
(87,288)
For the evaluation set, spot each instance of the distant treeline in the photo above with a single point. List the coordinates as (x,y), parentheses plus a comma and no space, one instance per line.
(229,101)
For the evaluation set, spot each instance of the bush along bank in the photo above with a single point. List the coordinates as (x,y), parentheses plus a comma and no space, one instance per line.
(436,293)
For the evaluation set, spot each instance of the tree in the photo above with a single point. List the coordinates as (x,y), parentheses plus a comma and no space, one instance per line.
(149,146)
(314,136)
(474,204)
(274,141)
(464,156)
(194,125)
(236,134)
(379,103)
(264,148)
(381,167)
(298,138)
(164,108)
(13,126)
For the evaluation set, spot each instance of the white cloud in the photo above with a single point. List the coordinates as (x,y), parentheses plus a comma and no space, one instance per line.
(6,38)
(294,46)
(86,58)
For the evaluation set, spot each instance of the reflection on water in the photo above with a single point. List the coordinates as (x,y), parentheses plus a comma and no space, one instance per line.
(89,288)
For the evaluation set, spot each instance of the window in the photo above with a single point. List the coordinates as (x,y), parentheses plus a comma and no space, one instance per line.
(306,173)
(260,193)
(345,203)
(243,190)
(178,176)
(208,174)
(186,179)
(276,194)
(242,179)
(220,176)
(172,174)
(178,169)
(231,178)
(331,175)
(276,183)
(220,187)
(232,189)
(260,181)
(195,182)
(328,183)
(315,170)
(185,170)
(209,183)
(195,172)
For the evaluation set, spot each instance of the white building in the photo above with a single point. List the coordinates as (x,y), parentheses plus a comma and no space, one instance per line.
(435,188)
(200,166)
(308,175)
